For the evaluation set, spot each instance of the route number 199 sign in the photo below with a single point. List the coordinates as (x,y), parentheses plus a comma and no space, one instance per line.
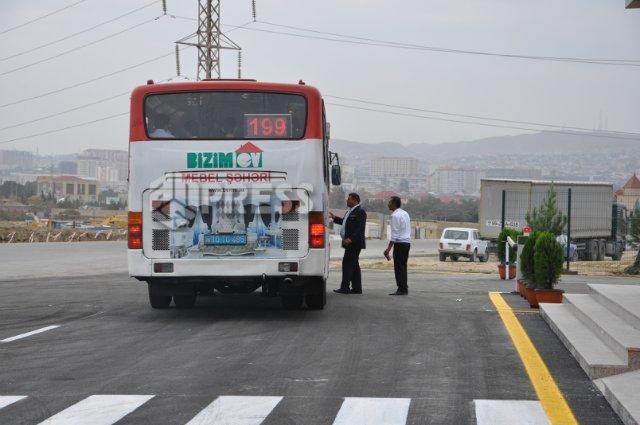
(267,126)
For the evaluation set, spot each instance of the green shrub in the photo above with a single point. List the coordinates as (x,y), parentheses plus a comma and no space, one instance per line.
(526,258)
(502,237)
(547,260)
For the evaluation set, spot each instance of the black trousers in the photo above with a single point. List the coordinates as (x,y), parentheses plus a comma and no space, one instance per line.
(400,257)
(351,269)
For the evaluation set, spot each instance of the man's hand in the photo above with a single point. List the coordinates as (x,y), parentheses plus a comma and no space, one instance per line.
(331,215)
(386,255)
(346,241)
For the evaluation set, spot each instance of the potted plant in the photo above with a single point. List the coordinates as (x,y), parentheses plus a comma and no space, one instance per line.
(526,263)
(547,264)
(502,238)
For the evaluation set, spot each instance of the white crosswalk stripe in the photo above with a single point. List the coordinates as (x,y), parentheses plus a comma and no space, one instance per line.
(98,410)
(6,400)
(373,411)
(253,410)
(508,412)
(236,410)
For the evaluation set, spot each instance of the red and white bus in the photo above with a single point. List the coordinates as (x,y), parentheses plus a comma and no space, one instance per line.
(228,191)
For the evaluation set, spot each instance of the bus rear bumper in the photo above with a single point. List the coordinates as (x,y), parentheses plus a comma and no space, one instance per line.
(142,268)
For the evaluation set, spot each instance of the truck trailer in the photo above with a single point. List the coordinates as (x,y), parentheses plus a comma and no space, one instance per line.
(598,224)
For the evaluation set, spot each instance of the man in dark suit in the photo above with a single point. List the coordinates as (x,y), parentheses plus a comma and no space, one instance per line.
(353,241)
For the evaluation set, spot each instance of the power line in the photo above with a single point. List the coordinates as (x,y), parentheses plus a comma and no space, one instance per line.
(86,105)
(24,52)
(595,60)
(92,80)
(76,108)
(57,130)
(407,46)
(564,127)
(404,114)
(80,47)
(41,17)
(233,27)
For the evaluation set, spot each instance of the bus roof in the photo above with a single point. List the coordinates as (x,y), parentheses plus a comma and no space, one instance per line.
(314,99)
(309,91)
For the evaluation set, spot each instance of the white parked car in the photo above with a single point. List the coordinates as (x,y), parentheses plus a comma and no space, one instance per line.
(457,242)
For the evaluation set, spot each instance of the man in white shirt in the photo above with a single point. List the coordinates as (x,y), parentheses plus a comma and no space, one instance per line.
(400,242)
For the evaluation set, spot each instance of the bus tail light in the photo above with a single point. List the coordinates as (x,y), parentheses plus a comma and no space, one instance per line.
(468,247)
(441,245)
(316,229)
(134,229)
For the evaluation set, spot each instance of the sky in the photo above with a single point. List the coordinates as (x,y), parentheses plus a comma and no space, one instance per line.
(559,93)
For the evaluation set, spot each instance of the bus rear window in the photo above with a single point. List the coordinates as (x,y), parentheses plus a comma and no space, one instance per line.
(225,115)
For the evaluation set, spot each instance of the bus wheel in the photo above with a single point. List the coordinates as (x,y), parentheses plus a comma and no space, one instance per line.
(291,301)
(592,250)
(159,301)
(602,248)
(184,301)
(443,257)
(316,301)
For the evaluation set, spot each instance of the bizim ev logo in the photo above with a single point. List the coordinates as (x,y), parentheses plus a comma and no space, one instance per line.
(246,156)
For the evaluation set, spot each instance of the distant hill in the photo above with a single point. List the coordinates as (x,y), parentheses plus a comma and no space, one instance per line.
(524,144)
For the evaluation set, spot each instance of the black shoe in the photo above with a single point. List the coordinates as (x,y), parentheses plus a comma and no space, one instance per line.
(399,293)
(355,292)
(341,291)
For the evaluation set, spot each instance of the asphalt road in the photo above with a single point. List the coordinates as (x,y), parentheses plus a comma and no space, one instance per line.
(433,353)
(34,260)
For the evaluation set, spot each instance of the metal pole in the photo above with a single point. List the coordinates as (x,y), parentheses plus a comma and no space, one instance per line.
(504,196)
(568,227)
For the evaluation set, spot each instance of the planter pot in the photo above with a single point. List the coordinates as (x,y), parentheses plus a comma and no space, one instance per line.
(531,297)
(549,295)
(502,270)
(521,288)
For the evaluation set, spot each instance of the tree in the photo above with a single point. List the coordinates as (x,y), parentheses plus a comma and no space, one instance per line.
(547,217)
(634,226)
(526,258)
(634,234)
(502,239)
(547,260)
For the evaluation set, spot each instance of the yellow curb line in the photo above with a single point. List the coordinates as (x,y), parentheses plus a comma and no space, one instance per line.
(552,400)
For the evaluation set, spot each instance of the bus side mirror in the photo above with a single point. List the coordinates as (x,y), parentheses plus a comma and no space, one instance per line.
(336,175)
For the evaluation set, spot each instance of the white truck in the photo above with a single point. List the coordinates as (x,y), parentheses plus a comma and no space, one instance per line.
(598,223)
(457,242)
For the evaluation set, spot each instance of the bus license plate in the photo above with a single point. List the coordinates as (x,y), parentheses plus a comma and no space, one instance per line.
(225,239)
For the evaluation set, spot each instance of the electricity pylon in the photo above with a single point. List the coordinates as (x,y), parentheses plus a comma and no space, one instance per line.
(210,40)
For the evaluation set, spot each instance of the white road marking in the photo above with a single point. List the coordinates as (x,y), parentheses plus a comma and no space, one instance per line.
(236,410)
(373,411)
(98,410)
(24,335)
(6,400)
(508,412)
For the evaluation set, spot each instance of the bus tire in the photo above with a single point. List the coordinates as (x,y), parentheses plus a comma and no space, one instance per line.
(184,301)
(592,250)
(159,301)
(292,301)
(443,257)
(316,301)
(472,257)
(602,247)
(484,258)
